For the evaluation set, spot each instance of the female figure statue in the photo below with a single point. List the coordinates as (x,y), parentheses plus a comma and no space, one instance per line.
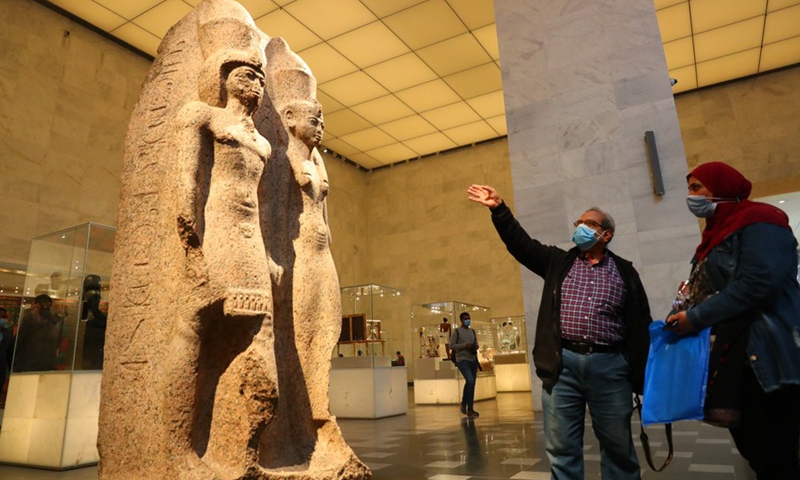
(222,354)
(308,302)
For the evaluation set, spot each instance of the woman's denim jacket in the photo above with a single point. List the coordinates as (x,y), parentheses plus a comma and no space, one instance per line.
(754,272)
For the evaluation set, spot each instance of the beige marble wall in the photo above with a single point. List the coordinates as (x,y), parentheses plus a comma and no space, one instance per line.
(66,95)
(751,124)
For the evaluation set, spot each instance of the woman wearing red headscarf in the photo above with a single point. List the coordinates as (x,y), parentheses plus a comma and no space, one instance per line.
(744,285)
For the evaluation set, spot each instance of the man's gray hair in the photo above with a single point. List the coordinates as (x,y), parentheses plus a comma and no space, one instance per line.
(608,221)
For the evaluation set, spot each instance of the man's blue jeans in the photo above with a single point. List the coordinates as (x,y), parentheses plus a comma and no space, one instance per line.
(600,381)
(469,369)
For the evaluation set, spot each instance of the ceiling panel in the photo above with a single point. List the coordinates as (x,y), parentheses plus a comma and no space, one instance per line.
(487,36)
(159,19)
(368,139)
(773,5)
(353,89)
(679,52)
(390,153)
(92,12)
(408,127)
(394,75)
(128,9)
(471,133)
(476,81)
(499,124)
(257,8)
(382,8)
(686,77)
(710,14)
(383,109)
(489,105)
(426,24)
(451,115)
(330,18)
(727,68)
(674,22)
(329,105)
(428,96)
(728,39)
(281,24)
(401,73)
(454,55)
(344,122)
(359,45)
(782,24)
(474,13)
(326,63)
(366,161)
(340,147)
(144,40)
(427,144)
(780,54)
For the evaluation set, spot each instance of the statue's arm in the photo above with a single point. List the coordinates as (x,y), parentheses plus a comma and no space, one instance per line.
(192,129)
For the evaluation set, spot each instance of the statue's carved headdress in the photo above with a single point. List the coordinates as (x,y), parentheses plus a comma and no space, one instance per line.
(228,38)
(289,78)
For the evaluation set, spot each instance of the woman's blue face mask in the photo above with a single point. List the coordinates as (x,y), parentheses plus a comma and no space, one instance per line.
(701,206)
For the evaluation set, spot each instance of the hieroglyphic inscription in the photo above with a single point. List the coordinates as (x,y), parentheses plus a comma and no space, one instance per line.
(137,302)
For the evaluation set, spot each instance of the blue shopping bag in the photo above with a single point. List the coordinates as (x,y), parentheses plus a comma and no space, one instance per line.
(676,375)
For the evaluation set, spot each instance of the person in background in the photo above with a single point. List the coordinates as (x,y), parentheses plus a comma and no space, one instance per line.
(743,285)
(39,337)
(464,342)
(6,346)
(592,339)
(445,329)
(401,360)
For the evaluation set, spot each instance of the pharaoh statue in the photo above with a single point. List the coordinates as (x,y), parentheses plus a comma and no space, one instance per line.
(202,374)
(307,293)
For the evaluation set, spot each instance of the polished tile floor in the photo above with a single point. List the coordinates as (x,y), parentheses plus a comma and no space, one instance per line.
(505,442)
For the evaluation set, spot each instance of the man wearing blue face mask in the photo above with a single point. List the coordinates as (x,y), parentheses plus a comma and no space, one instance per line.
(464,342)
(591,339)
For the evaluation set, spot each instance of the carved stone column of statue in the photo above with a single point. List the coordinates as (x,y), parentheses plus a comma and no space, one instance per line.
(190,380)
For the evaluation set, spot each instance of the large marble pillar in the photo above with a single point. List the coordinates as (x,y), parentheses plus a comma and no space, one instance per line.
(583,80)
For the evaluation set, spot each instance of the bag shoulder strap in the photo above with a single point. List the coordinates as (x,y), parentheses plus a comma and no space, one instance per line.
(646,441)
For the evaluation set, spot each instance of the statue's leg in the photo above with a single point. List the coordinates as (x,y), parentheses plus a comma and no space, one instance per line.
(181,400)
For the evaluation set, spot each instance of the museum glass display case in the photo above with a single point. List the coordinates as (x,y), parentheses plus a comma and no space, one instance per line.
(511,358)
(367,381)
(51,411)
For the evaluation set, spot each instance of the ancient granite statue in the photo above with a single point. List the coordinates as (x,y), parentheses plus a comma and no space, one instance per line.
(224,307)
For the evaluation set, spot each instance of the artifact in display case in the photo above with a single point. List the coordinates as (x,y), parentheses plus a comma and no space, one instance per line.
(436,378)
(60,340)
(372,319)
(511,360)
(364,380)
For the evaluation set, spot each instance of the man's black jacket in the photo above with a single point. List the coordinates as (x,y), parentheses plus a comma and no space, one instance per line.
(552,264)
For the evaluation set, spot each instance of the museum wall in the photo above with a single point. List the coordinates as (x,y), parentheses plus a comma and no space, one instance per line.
(751,124)
(347,216)
(66,94)
(425,236)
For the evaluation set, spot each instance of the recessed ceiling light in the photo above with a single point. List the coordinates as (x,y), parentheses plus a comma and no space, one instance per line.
(781,201)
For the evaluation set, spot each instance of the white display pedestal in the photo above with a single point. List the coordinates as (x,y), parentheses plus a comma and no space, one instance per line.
(360,388)
(448,390)
(513,377)
(50,419)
